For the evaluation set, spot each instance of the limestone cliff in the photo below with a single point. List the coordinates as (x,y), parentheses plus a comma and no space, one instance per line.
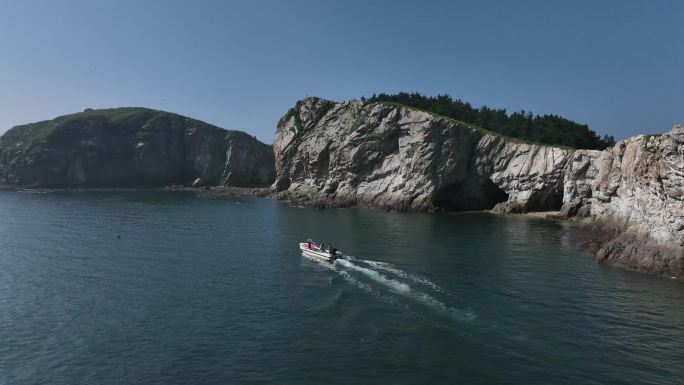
(638,198)
(397,157)
(390,156)
(131,147)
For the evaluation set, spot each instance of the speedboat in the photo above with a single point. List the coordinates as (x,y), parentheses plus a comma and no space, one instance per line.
(313,250)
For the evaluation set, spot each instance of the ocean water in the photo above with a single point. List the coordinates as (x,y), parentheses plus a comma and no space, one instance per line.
(161,288)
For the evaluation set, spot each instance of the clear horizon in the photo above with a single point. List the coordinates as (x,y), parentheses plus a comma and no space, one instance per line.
(616,66)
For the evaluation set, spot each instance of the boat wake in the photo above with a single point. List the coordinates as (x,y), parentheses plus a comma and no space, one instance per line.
(388,267)
(346,276)
(394,280)
(394,286)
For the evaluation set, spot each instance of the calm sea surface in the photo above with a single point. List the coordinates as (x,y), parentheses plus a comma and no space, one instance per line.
(161,288)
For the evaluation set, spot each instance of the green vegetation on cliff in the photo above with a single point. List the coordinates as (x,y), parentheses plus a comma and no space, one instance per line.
(33,133)
(544,129)
(131,147)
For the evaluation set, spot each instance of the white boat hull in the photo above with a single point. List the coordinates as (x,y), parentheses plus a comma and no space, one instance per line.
(313,253)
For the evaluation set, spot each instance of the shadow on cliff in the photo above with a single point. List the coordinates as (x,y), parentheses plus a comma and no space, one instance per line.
(469,195)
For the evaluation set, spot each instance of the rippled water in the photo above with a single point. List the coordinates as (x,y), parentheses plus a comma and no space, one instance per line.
(150,287)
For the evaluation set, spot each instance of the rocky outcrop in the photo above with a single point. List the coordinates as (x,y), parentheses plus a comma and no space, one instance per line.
(395,157)
(638,196)
(578,180)
(131,147)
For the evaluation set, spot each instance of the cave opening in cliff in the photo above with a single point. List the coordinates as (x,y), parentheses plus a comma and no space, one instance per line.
(469,195)
(323,163)
(546,200)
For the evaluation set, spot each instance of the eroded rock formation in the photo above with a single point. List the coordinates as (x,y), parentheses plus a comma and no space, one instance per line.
(390,156)
(637,197)
(397,157)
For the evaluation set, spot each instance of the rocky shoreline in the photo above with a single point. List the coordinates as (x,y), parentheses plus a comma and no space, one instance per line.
(608,242)
(225,192)
(214,192)
(390,157)
(338,154)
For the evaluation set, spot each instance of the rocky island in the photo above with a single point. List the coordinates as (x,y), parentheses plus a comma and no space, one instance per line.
(131,147)
(395,157)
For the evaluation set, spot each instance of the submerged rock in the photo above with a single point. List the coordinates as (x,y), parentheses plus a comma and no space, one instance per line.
(131,147)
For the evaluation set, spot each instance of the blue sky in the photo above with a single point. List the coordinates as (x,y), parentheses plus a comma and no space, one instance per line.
(615,65)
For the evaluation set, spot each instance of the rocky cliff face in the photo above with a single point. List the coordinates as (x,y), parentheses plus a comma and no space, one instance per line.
(638,196)
(396,157)
(131,147)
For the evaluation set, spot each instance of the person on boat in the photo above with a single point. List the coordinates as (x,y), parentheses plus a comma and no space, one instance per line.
(308,243)
(333,254)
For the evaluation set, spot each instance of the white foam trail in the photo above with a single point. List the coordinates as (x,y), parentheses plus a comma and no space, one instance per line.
(401,273)
(349,278)
(394,285)
(346,276)
(404,289)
